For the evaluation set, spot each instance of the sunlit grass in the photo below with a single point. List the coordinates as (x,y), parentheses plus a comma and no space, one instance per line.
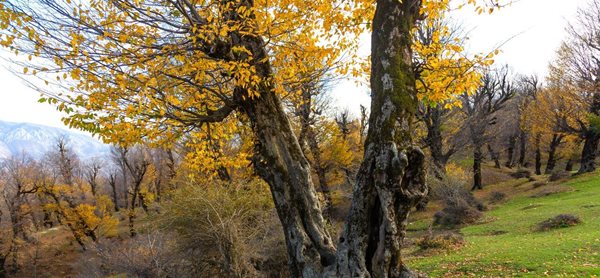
(518,250)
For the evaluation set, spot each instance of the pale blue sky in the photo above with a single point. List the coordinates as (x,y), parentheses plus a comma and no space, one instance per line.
(537,24)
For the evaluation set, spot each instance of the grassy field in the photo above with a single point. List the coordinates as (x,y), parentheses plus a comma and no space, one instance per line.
(506,244)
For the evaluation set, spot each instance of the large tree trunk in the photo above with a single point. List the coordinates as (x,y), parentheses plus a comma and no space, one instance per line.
(279,160)
(554,143)
(588,155)
(477,158)
(391,179)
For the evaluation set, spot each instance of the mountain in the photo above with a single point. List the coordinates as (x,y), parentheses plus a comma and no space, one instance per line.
(36,140)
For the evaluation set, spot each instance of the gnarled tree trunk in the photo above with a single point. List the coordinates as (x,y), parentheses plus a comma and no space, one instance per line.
(391,179)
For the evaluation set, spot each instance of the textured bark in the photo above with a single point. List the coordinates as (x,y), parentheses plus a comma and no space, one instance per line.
(391,179)
(279,160)
(477,158)
(554,143)
(588,155)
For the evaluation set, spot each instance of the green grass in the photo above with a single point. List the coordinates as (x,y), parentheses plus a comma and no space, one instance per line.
(520,251)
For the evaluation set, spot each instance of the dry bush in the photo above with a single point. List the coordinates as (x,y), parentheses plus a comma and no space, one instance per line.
(443,240)
(557,222)
(559,175)
(460,206)
(146,255)
(224,227)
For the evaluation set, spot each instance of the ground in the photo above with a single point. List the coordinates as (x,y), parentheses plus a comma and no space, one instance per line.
(505,243)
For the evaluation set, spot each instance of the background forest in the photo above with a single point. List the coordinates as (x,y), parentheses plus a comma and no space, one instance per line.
(228,160)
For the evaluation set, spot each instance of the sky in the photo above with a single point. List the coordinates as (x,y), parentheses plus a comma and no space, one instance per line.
(529,32)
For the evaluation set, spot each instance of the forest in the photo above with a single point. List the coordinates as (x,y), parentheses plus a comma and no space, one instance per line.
(228,157)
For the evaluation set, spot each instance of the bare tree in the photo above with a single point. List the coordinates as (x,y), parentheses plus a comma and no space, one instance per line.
(481,110)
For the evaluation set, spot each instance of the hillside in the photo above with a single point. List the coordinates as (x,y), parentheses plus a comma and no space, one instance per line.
(36,140)
(506,243)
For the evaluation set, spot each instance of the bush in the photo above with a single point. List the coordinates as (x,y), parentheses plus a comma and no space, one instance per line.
(497,196)
(559,221)
(460,206)
(146,255)
(559,175)
(218,225)
(444,240)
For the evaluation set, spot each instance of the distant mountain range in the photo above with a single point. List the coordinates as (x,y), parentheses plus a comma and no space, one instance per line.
(36,140)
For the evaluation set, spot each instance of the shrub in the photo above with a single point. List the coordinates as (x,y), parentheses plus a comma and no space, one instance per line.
(146,255)
(559,175)
(218,223)
(443,240)
(559,221)
(460,206)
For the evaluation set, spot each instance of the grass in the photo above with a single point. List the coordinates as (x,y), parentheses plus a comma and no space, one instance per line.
(508,245)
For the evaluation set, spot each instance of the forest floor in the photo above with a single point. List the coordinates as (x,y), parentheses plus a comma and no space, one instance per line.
(505,242)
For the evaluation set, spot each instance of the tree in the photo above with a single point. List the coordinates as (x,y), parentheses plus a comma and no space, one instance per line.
(480,110)
(152,70)
(577,68)
(20,183)
(444,71)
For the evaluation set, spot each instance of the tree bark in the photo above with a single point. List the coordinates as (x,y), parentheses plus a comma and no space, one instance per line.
(391,179)
(279,160)
(477,158)
(588,155)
